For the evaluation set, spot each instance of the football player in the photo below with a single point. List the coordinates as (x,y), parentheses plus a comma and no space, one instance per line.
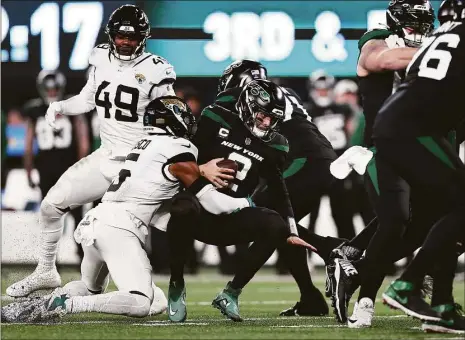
(306,174)
(384,56)
(334,121)
(62,147)
(247,136)
(409,135)
(122,81)
(114,232)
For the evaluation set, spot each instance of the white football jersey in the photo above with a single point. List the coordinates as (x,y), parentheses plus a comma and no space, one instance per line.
(145,182)
(123,89)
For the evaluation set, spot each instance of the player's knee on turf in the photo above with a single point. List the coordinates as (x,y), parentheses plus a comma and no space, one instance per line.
(140,306)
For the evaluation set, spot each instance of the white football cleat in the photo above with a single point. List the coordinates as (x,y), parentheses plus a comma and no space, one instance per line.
(362,315)
(36,281)
(160,302)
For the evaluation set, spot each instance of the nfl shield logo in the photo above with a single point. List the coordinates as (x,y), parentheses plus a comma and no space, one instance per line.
(248,141)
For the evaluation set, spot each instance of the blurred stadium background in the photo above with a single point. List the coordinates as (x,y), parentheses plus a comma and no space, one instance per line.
(200,38)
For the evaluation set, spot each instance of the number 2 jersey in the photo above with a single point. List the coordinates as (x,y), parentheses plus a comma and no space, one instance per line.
(222,134)
(57,150)
(144,182)
(121,90)
(430,102)
(304,138)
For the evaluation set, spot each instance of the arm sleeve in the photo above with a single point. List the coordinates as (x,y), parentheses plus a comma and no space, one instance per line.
(84,101)
(217,203)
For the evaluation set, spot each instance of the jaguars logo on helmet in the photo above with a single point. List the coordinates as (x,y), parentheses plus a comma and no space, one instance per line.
(170,114)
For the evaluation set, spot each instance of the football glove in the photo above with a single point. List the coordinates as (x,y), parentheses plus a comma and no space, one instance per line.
(52,111)
(393,41)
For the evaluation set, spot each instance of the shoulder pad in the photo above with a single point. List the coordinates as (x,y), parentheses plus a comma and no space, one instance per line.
(98,54)
(373,34)
(279,142)
(156,69)
(228,98)
(179,146)
(219,114)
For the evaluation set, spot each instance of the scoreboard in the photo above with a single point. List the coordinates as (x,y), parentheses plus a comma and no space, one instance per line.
(200,38)
(291,38)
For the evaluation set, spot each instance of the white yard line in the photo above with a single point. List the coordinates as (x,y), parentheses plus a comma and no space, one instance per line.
(202,322)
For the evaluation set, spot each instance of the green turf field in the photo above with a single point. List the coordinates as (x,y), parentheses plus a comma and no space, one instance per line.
(260,303)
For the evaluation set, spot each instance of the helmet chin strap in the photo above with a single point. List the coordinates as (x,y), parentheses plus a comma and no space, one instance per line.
(413,39)
(259,132)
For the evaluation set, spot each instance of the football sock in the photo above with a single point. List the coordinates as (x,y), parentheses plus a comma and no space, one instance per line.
(51,231)
(121,303)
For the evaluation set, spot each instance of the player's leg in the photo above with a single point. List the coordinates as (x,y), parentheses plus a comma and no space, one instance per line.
(390,197)
(81,183)
(305,188)
(129,268)
(265,228)
(340,198)
(437,167)
(259,225)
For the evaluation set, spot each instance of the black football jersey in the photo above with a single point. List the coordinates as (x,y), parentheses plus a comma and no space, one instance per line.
(375,88)
(55,148)
(331,121)
(430,101)
(304,138)
(222,134)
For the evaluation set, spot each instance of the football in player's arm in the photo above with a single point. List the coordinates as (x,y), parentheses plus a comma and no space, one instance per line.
(215,121)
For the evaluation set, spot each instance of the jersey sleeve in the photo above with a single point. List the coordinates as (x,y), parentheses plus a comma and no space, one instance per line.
(181,150)
(273,174)
(228,98)
(209,127)
(85,100)
(373,34)
(161,76)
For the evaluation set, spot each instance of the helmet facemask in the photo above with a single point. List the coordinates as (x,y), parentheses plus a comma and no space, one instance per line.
(137,51)
(262,124)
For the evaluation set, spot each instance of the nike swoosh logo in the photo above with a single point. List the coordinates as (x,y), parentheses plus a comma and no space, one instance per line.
(186,146)
(352,321)
(172,312)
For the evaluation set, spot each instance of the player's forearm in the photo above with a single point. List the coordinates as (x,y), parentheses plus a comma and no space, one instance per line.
(217,203)
(396,58)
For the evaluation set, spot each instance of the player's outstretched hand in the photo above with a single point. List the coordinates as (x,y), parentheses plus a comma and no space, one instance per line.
(216,175)
(297,241)
(51,114)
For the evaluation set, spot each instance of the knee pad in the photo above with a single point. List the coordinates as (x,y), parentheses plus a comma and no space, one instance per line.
(49,212)
(57,196)
(184,204)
